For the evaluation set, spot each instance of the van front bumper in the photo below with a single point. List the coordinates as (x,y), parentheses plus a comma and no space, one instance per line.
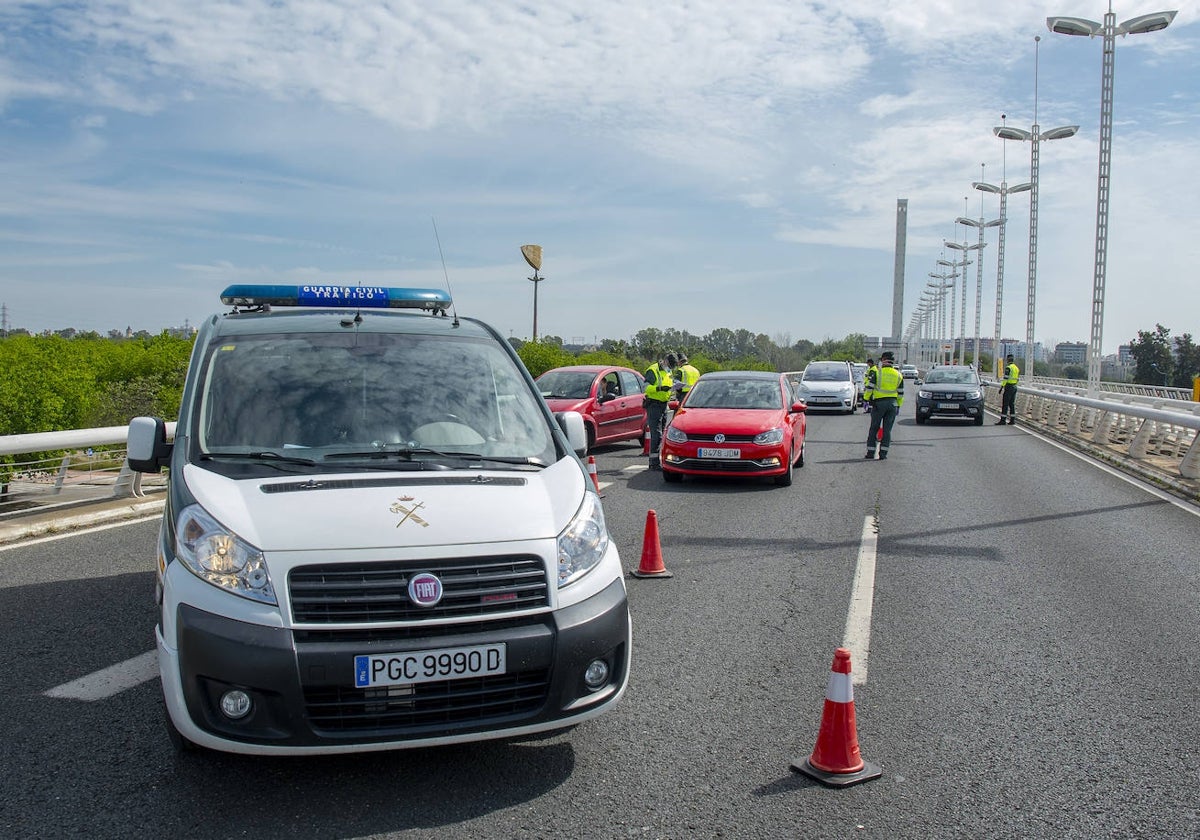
(304,700)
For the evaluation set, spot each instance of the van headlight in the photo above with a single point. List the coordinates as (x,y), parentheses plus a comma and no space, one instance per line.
(219,557)
(583,543)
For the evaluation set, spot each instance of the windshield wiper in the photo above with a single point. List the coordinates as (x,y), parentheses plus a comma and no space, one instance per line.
(409,451)
(266,455)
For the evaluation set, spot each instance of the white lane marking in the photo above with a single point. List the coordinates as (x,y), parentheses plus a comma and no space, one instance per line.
(635,468)
(111,680)
(857,638)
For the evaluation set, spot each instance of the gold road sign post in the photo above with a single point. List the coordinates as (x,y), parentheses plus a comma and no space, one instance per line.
(533,256)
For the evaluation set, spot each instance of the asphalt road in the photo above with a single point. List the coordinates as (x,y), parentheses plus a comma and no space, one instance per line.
(1031,671)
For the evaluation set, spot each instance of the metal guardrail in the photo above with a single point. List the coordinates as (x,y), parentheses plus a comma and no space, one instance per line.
(1133,389)
(77,471)
(1159,439)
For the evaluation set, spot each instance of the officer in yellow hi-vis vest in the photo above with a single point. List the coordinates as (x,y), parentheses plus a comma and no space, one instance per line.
(685,375)
(886,389)
(658,391)
(1008,392)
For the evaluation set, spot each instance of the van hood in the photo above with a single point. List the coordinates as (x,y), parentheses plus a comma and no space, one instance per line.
(354,510)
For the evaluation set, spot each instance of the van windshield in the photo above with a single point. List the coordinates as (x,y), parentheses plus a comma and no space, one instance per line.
(313,395)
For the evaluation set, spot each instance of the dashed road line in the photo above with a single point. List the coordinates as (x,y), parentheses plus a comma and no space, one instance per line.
(857,637)
(109,681)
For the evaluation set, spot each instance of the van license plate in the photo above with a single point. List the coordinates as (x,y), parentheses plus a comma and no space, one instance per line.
(719,453)
(421,666)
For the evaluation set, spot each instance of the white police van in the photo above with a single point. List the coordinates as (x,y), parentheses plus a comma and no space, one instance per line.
(376,534)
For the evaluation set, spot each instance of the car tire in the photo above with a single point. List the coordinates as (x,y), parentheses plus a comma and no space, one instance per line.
(979,420)
(671,477)
(785,480)
(921,420)
(800,461)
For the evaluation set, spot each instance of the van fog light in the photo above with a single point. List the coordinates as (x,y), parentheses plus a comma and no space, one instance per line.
(235,704)
(596,675)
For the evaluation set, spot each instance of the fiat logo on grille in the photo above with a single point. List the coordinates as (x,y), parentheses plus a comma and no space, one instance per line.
(425,590)
(719,438)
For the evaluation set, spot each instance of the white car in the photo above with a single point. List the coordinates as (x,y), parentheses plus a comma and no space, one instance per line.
(828,384)
(910,372)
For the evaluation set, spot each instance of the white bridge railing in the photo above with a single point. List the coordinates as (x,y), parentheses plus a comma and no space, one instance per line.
(82,472)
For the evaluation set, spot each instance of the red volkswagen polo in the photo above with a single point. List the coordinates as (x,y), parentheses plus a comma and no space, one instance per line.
(736,422)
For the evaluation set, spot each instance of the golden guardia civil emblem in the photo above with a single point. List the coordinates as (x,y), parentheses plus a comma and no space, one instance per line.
(408,507)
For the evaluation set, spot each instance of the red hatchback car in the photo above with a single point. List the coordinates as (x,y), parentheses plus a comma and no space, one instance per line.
(736,422)
(609,398)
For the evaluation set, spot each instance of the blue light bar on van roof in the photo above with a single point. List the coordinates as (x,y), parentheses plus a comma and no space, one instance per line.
(379,297)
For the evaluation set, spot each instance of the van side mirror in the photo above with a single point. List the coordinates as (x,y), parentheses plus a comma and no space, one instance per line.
(147,449)
(571,422)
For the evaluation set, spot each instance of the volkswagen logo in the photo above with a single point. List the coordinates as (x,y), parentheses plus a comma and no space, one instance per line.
(719,438)
(424,589)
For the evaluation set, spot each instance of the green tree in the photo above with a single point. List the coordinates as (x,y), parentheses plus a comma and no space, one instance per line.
(539,357)
(1152,356)
(1187,361)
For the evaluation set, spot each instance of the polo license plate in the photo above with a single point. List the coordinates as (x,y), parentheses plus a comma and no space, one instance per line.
(422,666)
(719,453)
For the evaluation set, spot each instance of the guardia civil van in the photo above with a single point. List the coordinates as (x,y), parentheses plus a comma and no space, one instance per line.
(376,534)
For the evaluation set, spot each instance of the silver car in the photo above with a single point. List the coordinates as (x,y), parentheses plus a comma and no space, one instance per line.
(828,384)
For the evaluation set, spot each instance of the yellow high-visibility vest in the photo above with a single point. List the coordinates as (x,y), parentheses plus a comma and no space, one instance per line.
(658,383)
(889,384)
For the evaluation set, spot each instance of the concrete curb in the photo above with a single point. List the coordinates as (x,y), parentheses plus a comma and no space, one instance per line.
(86,516)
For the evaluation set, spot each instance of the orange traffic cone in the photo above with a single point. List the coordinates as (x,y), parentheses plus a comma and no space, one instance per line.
(836,761)
(592,472)
(652,560)
(646,442)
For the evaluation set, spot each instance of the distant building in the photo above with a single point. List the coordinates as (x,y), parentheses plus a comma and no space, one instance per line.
(1071,353)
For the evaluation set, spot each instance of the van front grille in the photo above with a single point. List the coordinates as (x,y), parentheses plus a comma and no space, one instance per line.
(376,592)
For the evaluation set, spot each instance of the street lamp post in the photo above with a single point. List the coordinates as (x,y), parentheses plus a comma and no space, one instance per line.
(533,256)
(1003,190)
(1109,30)
(964,247)
(940,288)
(982,225)
(1034,136)
(954,275)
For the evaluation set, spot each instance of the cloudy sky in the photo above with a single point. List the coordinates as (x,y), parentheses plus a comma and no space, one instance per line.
(693,165)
